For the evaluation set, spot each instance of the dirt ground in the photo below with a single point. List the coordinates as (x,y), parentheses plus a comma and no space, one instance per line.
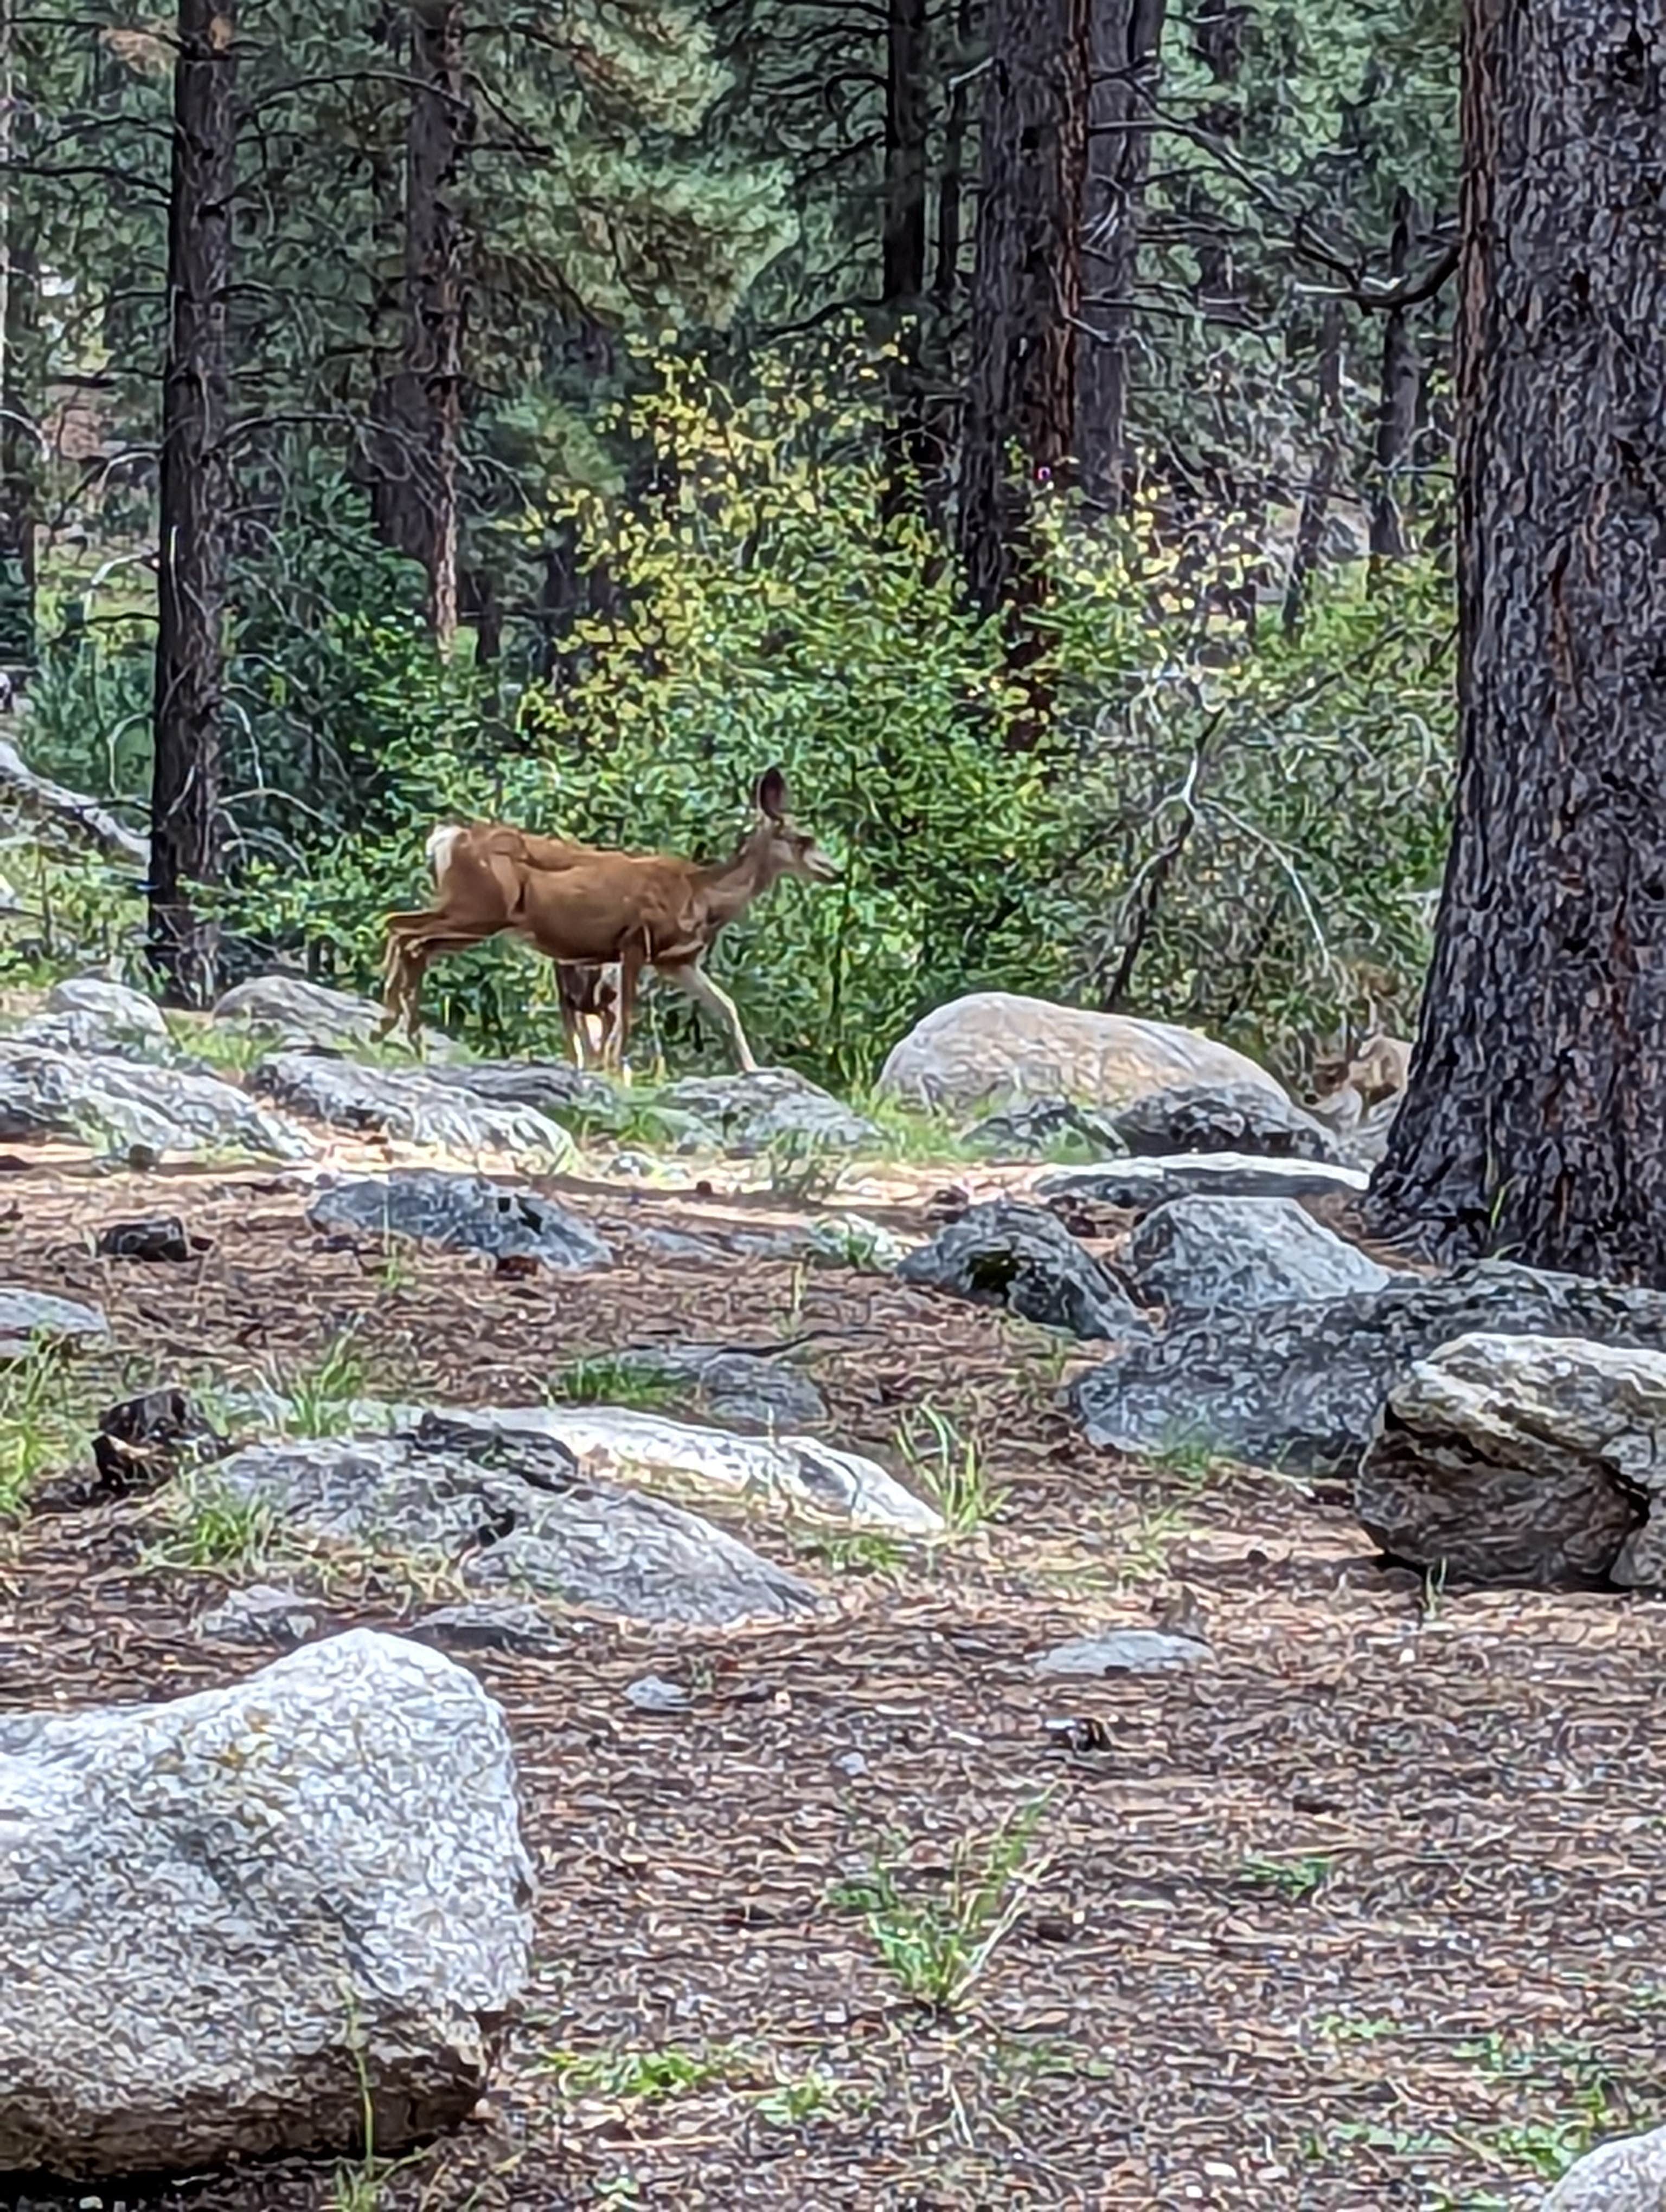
(1371,1914)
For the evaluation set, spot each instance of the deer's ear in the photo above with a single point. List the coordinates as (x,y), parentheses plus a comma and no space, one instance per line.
(770,797)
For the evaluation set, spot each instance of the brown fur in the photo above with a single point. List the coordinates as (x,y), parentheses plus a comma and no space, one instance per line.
(584,908)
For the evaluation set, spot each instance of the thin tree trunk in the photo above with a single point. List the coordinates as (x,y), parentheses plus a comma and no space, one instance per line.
(1532,1125)
(952,184)
(436,289)
(1026,289)
(1127,39)
(903,241)
(1332,429)
(1396,414)
(194,523)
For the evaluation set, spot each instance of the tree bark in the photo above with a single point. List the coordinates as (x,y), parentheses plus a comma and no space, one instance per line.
(1532,1125)
(436,289)
(952,184)
(194,505)
(1027,297)
(907,48)
(418,408)
(1396,414)
(1332,429)
(1127,36)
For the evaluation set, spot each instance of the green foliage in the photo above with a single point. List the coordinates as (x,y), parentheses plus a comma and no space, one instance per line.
(40,1427)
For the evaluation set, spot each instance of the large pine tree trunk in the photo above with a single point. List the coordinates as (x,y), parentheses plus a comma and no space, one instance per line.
(1532,1125)
(1127,35)
(1027,291)
(195,521)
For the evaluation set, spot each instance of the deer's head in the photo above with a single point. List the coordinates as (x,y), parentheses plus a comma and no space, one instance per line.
(782,848)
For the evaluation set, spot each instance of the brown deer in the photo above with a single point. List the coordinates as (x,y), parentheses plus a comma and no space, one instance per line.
(583,993)
(587,908)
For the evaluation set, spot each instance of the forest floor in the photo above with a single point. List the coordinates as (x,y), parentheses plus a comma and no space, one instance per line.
(1371,1913)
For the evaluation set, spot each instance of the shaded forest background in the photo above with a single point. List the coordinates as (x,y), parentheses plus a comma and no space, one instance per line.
(1027,420)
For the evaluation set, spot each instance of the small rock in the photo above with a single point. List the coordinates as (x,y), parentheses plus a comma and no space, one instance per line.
(653,1695)
(160,1239)
(850,1240)
(1124,1651)
(1197,1255)
(31,1318)
(490,1624)
(852,1763)
(1018,1256)
(1223,1117)
(262,1614)
(1628,2175)
(461,1213)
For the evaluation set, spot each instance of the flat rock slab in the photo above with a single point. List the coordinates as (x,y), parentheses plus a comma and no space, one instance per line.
(33,1317)
(1123,1651)
(790,1474)
(996,1048)
(513,1511)
(1223,1117)
(461,1213)
(347,1913)
(739,1389)
(751,1114)
(264,1614)
(96,1099)
(1524,1459)
(1201,1255)
(1139,1185)
(491,1624)
(1006,1254)
(1625,2175)
(1300,1385)
(415,1106)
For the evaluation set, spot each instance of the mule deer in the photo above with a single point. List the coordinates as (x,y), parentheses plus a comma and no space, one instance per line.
(583,993)
(587,908)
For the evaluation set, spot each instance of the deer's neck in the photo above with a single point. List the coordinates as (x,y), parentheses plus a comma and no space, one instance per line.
(731,886)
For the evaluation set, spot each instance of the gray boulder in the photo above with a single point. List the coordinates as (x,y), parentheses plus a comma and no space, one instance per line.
(461,1214)
(101,1100)
(1138,1185)
(1222,1117)
(90,1014)
(553,1088)
(290,1009)
(997,1047)
(1032,1126)
(1628,2175)
(1524,1459)
(1004,1254)
(1198,1256)
(229,1920)
(513,1512)
(413,1105)
(1300,1385)
(750,1113)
